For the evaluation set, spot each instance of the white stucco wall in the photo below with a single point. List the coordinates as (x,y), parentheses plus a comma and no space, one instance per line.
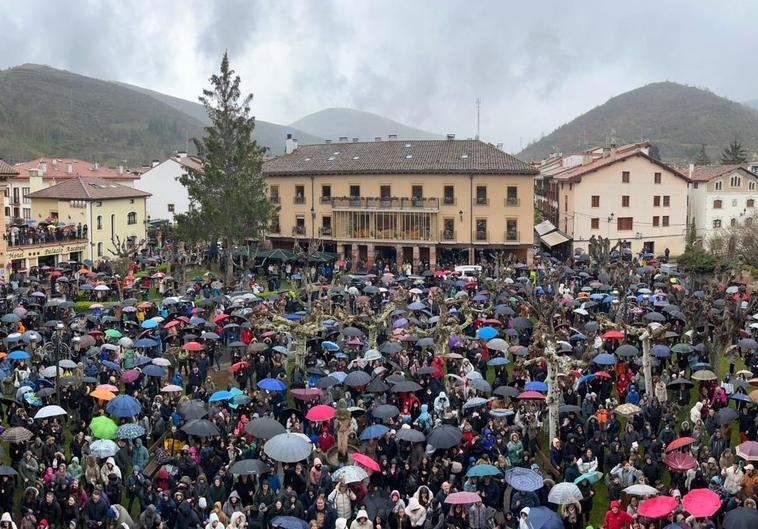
(162,182)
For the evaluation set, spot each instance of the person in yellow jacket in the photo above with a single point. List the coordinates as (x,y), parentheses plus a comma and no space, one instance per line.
(172,444)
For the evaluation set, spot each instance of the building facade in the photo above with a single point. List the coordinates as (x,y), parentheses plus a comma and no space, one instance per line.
(98,211)
(618,193)
(720,196)
(53,171)
(407,201)
(6,172)
(168,197)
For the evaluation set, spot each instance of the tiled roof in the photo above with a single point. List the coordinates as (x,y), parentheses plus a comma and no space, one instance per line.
(81,188)
(190,162)
(706,173)
(574,173)
(6,169)
(55,168)
(398,157)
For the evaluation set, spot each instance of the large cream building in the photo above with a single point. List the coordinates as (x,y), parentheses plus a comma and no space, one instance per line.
(620,193)
(408,201)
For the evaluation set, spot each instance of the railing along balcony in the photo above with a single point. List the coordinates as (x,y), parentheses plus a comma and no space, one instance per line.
(405,203)
(482,201)
(325,231)
(448,235)
(511,202)
(512,236)
(298,199)
(298,231)
(481,236)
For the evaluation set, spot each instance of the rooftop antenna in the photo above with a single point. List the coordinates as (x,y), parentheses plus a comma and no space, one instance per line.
(478,105)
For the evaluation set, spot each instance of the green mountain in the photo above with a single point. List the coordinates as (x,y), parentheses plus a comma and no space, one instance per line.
(677,118)
(753,103)
(266,133)
(333,123)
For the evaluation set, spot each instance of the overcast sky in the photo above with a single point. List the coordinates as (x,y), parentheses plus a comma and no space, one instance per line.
(534,65)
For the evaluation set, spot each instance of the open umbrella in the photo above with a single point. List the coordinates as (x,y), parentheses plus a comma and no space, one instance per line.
(123,406)
(49,411)
(356,379)
(679,443)
(726,415)
(130,431)
(103,427)
(249,467)
(289,522)
(462,498)
(171,388)
(272,384)
(16,434)
(704,374)
(410,435)
(482,470)
(627,409)
(741,518)
(641,489)
(680,461)
(523,479)
(103,448)
(406,386)
(444,437)
(320,413)
(543,518)
(7,471)
(350,474)
(374,431)
(306,393)
(748,450)
(264,428)
(201,428)
(657,507)
(193,409)
(366,461)
(385,411)
(701,503)
(288,447)
(564,493)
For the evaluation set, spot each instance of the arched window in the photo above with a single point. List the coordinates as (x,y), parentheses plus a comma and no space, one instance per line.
(717,185)
(99,249)
(735,181)
(131,217)
(99,222)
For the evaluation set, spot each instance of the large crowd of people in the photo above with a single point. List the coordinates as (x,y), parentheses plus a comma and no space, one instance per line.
(378,400)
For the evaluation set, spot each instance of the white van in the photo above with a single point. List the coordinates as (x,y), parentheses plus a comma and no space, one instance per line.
(469,271)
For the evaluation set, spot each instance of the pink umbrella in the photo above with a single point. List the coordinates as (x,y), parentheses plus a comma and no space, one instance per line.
(680,461)
(748,450)
(657,507)
(130,376)
(463,498)
(366,461)
(306,393)
(108,387)
(701,503)
(531,395)
(320,413)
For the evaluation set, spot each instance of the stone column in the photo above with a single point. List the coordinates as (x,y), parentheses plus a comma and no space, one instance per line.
(471,255)
(432,257)
(416,259)
(370,254)
(399,257)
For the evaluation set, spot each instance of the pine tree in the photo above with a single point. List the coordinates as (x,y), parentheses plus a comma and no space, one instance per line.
(655,153)
(228,196)
(702,156)
(734,154)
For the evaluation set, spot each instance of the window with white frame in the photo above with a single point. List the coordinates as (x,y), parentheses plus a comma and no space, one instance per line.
(735,181)
(717,185)
(751,185)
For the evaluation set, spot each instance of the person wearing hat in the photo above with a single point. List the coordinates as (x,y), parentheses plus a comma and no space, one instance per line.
(749,481)
(361,521)
(615,518)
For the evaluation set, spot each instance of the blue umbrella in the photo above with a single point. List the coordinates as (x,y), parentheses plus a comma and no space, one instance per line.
(536,386)
(272,384)
(479,298)
(374,432)
(153,370)
(399,324)
(340,376)
(111,365)
(145,343)
(661,351)
(19,355)
(478,471)
(197,321)
(543,518)
(330,346)
(219,396)
(578,337)
(417,306)
(289,522)
(294,317)
(585,378)
(149,324)
(742,397)
(498,361)
(130,431)
(523,479)
(141,360)
(592,477)
(605,359)
(123,406)
(486,333)
(10,318)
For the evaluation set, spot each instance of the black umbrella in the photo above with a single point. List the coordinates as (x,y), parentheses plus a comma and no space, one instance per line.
(248,467)
(741,518)
(444,437)
(356,379)
(591,326)
(377,386)
(410,435)
(655,316)
(627,350)
(678,381)
(385,411)
(352,332)
(264,428)
(522,323)
(327,382)
(390,347)
(201,428)
(193,409)
(481,385)
(428,370)
(406,386)
(726,415)
(506,391)
(569,408)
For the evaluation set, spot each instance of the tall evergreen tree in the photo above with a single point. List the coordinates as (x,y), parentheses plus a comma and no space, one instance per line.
(702,156)
(228,196)
(734,154)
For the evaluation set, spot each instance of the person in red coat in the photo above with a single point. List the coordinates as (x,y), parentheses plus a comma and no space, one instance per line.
(616,518)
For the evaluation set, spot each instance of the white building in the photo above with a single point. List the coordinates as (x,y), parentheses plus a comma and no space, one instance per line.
(720,196)
(169,196)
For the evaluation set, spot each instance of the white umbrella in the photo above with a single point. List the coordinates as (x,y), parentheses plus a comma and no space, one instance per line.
(49,411)
(371,355)
(163,362)
(288,447)
(640,489)
(126,342)
(102,288)
(497,344)
(103,448)
(49,372)
(67,364)
(564,493)
(350,474)
(475,402)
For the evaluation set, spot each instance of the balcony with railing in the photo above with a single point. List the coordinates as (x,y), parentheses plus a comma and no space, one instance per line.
(298,199)
(325,231)
(482,201)
(449,201)
(325,200)
(274,199)
(274,229)
(298,231)
(448,236)
(481,236)
(393,203)
(512,202)
(512,237)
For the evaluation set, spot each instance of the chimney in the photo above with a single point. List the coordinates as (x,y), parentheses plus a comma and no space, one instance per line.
(155,163)
(392,137)
(606,152)
(355,140)
(290,145)
(54,161)
(120,169)
(35,180)
(451,136)
(499,146)
(327,141)
(377,138)
(343,139)
(692,170)
(181,154)
(43,168)
(69,168)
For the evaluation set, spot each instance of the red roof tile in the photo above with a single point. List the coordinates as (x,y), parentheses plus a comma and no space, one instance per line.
(56,168)
(7,169)
(706,173)
(81,188)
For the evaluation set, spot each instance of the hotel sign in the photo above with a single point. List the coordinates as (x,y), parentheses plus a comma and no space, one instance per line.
(42,251)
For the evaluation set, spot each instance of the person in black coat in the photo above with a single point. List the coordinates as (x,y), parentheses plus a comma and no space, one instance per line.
(186,517)
(50,510)
(95,510)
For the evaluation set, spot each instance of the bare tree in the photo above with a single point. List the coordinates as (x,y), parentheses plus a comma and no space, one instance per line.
(123,252)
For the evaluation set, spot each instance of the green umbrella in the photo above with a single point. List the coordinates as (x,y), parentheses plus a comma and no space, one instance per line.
(682,348)
(103,427)
(113,333)
(281,255)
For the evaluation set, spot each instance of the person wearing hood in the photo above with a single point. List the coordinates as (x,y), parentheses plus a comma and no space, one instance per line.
(216,490)
(361,521)
(237,521)
(416,512)
(28,468)
(315,473)
(523,522)
(120,517)
(214,522)
(186,517)
(139,454)
(74,469)
(424,422)
(6,522)
(233,504)
(109,468)
(342,498)
(149,518)
(615,518)
(441,403)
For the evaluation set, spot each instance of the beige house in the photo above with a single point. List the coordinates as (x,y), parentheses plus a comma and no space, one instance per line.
(6,171)
(620,193)
(407,201)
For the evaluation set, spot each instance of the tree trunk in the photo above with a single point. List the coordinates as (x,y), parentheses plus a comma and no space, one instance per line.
(647,365)
(229,271)
(553,391)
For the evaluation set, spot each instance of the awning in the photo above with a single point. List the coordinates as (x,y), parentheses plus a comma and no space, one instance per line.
(554,238)
(544,227)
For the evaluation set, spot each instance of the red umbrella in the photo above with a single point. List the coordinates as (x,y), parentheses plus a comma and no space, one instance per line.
(701,503)
(657,507)
(185,319)
(531,395)
(306,393)
(193,346)
(130,376)
(220,317)
(172,323)
(679,443)
(320,413)
(603,374)
(679,461)
(239,365)
(497,323)
(613,335)
(366,461)
(463,498)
